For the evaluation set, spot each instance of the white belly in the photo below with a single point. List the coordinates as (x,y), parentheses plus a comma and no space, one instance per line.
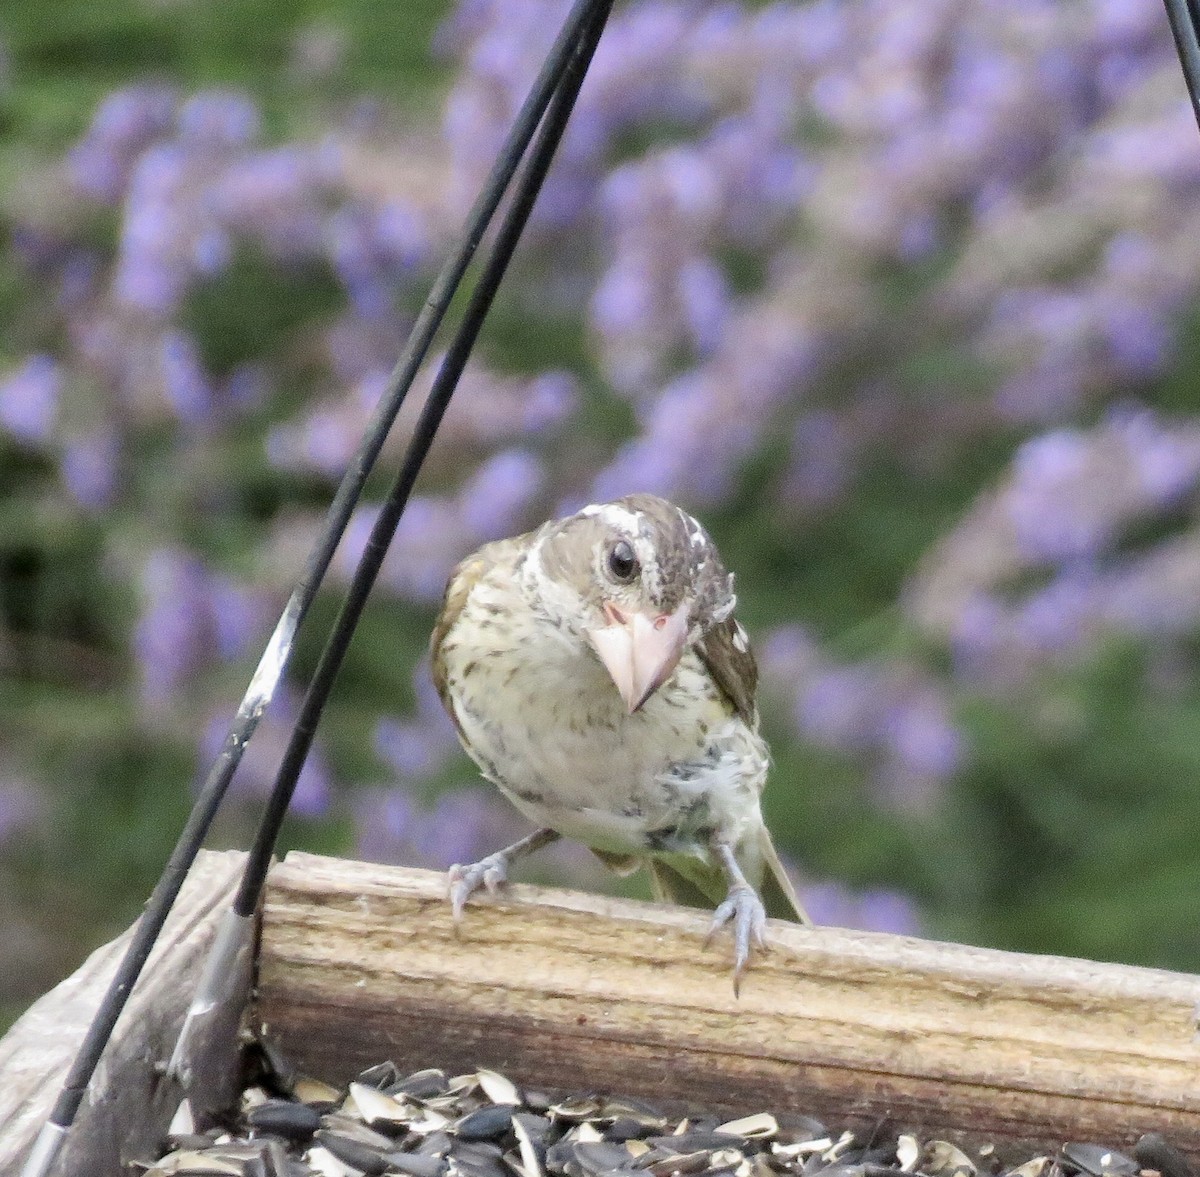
(545,723)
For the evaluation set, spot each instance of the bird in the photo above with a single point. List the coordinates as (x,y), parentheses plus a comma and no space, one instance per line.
(596,675)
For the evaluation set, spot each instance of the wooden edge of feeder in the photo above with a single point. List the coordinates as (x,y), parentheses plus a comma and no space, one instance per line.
(129,1104)
(566,991)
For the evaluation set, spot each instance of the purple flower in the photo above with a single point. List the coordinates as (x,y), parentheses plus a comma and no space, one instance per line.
(124,125)
(219,118)
(871,911)
(170,639)
(90,467)
(20,807)
(500,492)
(260,761)
(184,380)
(29,399)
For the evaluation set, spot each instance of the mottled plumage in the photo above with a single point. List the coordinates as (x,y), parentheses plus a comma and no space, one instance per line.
(597,676)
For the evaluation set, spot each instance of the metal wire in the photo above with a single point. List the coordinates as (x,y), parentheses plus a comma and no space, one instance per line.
(581,27)
(443,388)
(1184,16)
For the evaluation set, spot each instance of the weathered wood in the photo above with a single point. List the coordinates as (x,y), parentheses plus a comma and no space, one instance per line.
(130,1103)
(558,989)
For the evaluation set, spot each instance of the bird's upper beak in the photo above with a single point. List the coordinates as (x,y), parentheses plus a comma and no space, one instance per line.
(640,650)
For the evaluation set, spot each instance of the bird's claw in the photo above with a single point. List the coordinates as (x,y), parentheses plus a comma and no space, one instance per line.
(490,872)
(744,910)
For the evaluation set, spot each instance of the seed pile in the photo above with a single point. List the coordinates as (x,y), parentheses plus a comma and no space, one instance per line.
(481,1125)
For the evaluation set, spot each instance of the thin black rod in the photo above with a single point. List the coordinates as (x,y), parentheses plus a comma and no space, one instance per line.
(271,668)
(1184,16)
(511,226)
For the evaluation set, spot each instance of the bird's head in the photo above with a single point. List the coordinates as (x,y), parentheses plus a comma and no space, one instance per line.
(637,580)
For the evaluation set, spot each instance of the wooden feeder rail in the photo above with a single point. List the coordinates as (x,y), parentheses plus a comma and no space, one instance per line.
(564,991)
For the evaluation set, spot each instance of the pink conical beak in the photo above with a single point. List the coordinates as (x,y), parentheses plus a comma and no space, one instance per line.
(640,650)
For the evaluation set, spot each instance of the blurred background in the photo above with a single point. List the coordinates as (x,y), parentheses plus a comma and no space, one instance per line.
(900,296)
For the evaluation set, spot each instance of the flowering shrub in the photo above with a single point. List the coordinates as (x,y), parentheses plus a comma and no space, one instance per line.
(898,295)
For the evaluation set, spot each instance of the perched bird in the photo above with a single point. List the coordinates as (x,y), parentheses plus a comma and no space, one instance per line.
(597,676)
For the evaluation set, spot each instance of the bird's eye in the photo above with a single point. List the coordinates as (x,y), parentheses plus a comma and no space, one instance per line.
(622,563)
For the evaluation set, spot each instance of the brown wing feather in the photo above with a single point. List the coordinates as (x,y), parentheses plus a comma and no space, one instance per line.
(466,575)
(462,580)
(734,670)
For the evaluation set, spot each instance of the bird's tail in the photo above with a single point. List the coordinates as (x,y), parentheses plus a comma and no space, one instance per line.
(693,883)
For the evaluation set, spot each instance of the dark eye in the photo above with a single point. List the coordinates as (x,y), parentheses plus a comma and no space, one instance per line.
(622,563)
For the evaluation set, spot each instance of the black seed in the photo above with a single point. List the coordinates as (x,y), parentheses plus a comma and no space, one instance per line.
(436,1144)
(538,1128)
(421,1084)
(625,1128)
(1098,1161)
(359,1156)
(292,1121)
(793,1129)
(191,1142)
(277,1066)
(1153,1152)
(414,1165)
(380,1076)
(486,1123)
(475,1150)
(478,1158)
(600,1156)
(559,1155)
(694,1141)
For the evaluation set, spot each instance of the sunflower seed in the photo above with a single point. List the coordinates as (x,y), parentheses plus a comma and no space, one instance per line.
(943,1159)
(484,1123)
(694,1141)
(1154,1152)
(324,1163)
(756,1127)
(420,1084)
(292,1121)
(414,1165)
(498,1089)
(908,1153)
(201,1164)
(313,1091)
(379,1076)
(600,1156)
(376,1108)
(355,1153)
(1034,1167)
(1098,1161)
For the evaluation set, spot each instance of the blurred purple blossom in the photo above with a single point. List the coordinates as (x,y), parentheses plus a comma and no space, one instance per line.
(419,747)
(20,806)
(891,716)
(189,616)
(1066,509)
(29,399)
(260,762)
(124,125)
(90,467)
(460,826)
(832,904)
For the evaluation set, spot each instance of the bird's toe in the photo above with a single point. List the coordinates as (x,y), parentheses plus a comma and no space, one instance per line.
(743,910)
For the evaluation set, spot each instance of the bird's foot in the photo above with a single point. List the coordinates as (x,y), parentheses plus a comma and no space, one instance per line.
(490,872)
(744,911)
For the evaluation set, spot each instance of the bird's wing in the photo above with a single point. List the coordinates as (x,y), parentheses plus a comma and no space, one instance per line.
(695,882)
(463,579)
(778,895)
(725,650)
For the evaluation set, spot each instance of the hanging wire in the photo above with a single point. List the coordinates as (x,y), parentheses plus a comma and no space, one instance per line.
(554,91)
(1184,16)
(511,227)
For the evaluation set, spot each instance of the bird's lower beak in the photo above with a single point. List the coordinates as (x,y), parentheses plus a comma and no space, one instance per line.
(640,650)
